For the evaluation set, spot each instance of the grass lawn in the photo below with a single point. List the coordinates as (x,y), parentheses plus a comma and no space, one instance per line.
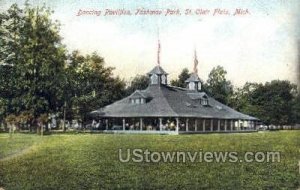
(91,161)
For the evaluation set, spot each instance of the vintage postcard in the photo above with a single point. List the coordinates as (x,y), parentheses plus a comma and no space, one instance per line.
(177,94)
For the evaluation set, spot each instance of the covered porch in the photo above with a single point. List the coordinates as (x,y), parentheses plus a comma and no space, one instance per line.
(176,125)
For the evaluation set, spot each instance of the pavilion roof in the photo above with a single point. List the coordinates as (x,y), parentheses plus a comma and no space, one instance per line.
(169,101)
(157,70)
(193,78)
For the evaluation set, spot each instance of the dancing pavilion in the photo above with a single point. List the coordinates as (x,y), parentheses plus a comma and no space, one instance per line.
(165,109)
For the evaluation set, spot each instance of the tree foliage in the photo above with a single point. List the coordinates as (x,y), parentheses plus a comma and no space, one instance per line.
(296,108)
(89,84)
(139,82)
(33,57)
(37,74)
(272,102)
(182,77)
(218,86)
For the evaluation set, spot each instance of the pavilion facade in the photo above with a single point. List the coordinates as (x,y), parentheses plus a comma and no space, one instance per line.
(165,109)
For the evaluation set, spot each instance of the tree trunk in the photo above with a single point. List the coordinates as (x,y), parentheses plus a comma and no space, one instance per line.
(10,130)
(42,130)
(64,122)
(47,127)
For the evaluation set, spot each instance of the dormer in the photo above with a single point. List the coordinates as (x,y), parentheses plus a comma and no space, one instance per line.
(204,101)
(200,97)
(193,82)
(137,98)
(158,76)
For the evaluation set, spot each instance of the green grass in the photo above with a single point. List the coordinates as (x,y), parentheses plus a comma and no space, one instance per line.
(17,144)
(85,161)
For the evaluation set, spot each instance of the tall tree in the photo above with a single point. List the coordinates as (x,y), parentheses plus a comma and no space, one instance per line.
(44,61)
(240,97)
(273,102)
(296,108)
(139,82)
(32,60)
(36,76)
(182,77)
(218,86)
(11,23)
(90,84)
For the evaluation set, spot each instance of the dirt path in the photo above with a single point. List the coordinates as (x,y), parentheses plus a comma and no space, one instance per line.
(17,154)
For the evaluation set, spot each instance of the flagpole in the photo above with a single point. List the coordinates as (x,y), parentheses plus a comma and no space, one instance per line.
(195,62)
(158,50)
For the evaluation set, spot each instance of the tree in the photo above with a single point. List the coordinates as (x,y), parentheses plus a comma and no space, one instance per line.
(11,23)
(182,77)
(274,101)
(90,85)
(11,121)
(45,58)
(42,120)
(139,82)
(271,102)
(217,86)
(36,73)
(240,97)
(33,50)
(296,108)
(25,119)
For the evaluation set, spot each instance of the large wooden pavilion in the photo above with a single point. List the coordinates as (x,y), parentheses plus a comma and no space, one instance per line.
(165,109)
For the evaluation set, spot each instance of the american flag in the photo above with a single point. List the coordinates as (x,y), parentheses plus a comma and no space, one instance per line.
(158,52)
(195,63)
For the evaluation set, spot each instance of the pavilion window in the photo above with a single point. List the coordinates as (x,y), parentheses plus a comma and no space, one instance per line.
(154,79)
(199,86)
(137,101)
(192,86)
(163,79)
(132,101)
(204,101)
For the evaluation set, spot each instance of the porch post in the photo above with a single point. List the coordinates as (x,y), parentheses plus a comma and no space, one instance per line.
(160,124)
(211,124)
(225,124)
(239,125)
(219,124)
(177,124)
(203,125)
(231,125)
(248,125)
(106,124)
(141,123)
(243,125)
(196,123)
(123,124)
(187,124)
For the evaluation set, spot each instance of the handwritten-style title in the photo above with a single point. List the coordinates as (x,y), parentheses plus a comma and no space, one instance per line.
(164,12)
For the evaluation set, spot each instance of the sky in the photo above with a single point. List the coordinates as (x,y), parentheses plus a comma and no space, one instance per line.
(259,46)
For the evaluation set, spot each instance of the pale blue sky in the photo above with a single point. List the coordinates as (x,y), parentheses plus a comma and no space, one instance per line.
(258,47)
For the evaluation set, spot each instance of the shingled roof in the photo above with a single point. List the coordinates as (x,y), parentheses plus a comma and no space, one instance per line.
(169,101)
(157,70)
(193,78)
